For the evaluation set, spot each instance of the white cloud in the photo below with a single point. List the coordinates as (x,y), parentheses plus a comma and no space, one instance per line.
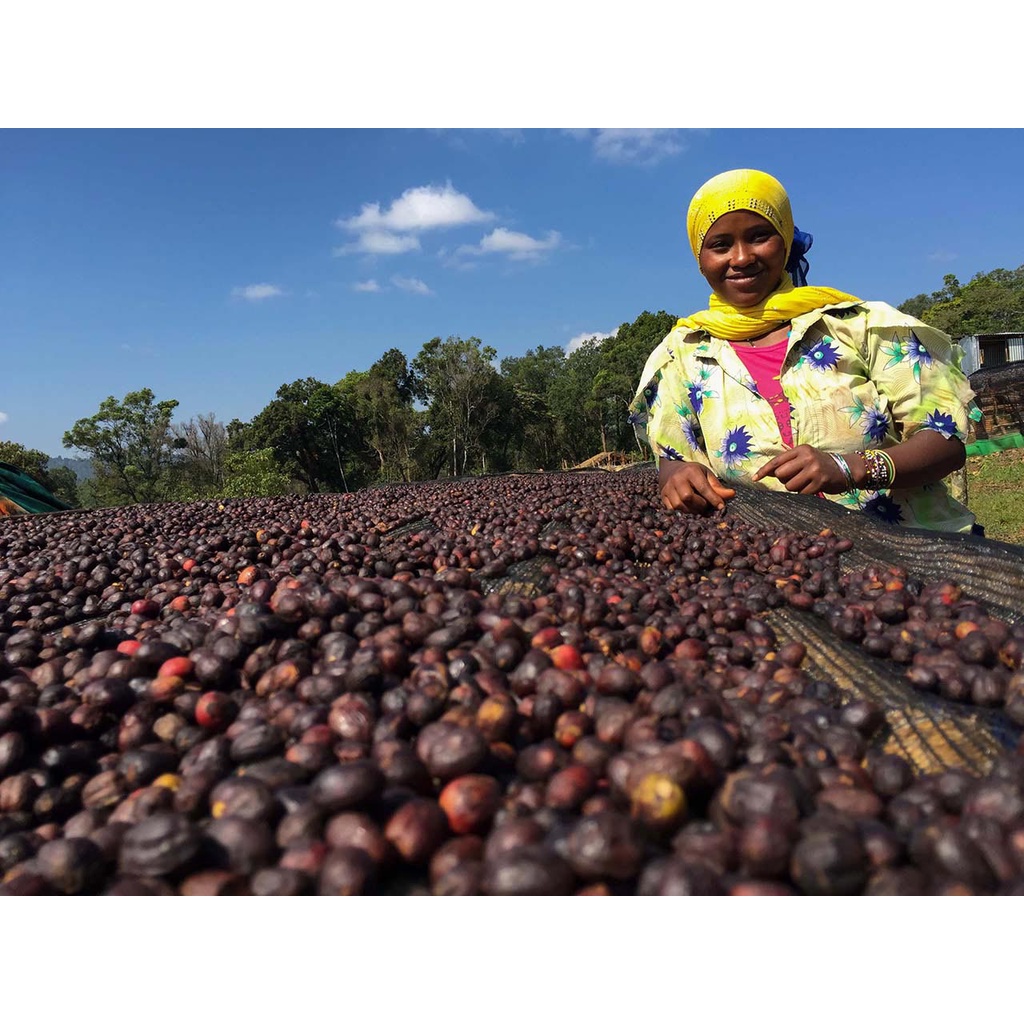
(257,292)
(3,417)
(366,286)
(411,284)
(380,243)
(396,229)
(513,244)
(632,145)
(579,339)
(418,209)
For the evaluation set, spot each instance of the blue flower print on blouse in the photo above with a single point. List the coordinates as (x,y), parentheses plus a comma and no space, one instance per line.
(876,425)
(667,452)
(651,392)
(910,349)
(917,354)
(882,506)
(941,422)
(698,390)
(876,422)
(822,356)
(735,447)
(750,384)
(691,431)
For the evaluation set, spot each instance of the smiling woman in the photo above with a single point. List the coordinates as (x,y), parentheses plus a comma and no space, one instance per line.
(743,258)
(799,388)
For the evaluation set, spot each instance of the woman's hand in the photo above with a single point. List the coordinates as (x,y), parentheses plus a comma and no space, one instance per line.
(923,458)
(805,470)
(691,487)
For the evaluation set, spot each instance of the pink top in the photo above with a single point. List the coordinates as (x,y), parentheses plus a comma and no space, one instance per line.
(765,366)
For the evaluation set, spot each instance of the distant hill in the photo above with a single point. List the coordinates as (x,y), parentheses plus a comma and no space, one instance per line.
(82,468)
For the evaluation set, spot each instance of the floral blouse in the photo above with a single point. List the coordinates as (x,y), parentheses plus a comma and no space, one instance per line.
(857,375)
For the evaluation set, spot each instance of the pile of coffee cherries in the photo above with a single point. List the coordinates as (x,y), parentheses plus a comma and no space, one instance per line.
(537,684)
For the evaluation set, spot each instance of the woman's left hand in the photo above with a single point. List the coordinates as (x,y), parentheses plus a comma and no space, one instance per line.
(805,470)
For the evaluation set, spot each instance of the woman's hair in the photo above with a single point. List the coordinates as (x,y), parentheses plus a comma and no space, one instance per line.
(739,190)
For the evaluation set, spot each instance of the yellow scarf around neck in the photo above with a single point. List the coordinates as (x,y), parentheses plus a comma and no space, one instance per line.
(731,323)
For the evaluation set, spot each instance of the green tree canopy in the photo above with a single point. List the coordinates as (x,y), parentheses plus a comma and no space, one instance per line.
(989,303)
(622,362)
(312,431)
(529,435)
(28,460)
(574,408)
(130,444)
(253,474)
(383,400)
(463,391)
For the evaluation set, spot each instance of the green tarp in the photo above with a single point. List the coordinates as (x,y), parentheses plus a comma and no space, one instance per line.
(19,490)
(996,444)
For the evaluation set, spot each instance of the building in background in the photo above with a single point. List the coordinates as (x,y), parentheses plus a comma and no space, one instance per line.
(988,350)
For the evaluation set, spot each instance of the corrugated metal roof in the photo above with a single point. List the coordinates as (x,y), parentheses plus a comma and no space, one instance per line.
(999,334)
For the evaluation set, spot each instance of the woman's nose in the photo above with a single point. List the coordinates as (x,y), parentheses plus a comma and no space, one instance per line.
(742,255)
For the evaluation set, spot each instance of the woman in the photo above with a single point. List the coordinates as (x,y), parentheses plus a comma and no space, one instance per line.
(803,389)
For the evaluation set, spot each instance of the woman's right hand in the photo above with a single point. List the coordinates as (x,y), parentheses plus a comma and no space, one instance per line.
(691,487)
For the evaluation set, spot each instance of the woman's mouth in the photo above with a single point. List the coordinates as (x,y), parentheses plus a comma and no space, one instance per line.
(744,278)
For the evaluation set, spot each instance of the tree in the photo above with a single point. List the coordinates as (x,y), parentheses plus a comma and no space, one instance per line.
(622,362)
(201,446)
(529,434)
(576,412)
(312,431)
(390,426)
(63,483)
(130,444)
(28,460)
(988,304)
(253,474)
(462,388)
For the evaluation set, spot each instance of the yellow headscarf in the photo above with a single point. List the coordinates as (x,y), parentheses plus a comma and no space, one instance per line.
(762,194)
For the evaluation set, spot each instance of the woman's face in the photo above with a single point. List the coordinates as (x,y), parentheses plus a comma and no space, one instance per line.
(743,258)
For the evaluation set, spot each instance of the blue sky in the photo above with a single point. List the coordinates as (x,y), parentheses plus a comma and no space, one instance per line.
(213,266)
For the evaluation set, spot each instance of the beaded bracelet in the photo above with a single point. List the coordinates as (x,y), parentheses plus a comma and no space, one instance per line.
(845,467)
(881,471)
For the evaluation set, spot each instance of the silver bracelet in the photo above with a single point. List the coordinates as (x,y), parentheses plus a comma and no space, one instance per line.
(845,467)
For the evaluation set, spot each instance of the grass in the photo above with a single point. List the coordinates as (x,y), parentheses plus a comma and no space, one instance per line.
(995,489)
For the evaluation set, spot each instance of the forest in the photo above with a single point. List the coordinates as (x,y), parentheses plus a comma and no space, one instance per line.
(452,410)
